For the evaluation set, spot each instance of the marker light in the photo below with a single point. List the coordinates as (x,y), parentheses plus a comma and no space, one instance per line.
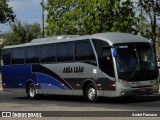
(112,85)
(98,85)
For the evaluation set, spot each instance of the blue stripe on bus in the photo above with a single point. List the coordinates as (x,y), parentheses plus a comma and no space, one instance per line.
(16,76)
(48,82)
(41,69)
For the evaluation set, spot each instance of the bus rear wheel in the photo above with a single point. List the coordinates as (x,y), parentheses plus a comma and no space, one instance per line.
(91,93)
(31,92)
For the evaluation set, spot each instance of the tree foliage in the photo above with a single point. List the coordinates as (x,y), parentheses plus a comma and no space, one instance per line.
(89,16)
(152,8)
(21,33)
(25,32)
(6,13)
(145,30)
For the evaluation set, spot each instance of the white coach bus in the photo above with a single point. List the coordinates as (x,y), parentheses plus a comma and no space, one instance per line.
(93,66)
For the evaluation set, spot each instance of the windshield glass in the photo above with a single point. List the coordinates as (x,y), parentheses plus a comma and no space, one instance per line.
(135,60)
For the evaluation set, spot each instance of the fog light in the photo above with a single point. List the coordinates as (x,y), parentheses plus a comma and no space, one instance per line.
(122,93)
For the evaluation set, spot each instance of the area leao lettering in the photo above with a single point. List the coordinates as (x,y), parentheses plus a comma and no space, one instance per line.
(78,69)
(73,69)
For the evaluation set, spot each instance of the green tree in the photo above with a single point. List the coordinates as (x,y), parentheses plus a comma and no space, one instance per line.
(6,13)
(145,30)
(89,16)
(152,8)
(25,32)
(125,18)
(21,33)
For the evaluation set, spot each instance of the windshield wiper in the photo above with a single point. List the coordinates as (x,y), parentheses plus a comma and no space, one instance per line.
(133,73)
(137,65)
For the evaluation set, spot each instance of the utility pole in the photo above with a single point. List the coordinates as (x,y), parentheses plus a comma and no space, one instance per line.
(141,13)
(42,19)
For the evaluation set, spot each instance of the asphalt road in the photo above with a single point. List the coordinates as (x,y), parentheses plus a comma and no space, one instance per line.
(19,102)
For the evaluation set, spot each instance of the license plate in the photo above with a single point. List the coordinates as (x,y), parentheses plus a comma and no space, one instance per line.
(142,90)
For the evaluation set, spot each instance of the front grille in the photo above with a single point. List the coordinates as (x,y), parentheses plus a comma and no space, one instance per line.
(142,86)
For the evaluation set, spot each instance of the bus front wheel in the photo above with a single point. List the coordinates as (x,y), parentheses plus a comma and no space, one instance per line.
(91,93)
(31,92)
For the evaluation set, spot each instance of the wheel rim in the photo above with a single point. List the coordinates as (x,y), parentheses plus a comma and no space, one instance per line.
(32,91)
(91,93)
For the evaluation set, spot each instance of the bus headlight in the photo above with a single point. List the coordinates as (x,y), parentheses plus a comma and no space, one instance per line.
(124,83)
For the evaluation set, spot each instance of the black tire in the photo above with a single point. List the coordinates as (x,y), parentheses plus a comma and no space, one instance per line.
(91,93)
(31,92)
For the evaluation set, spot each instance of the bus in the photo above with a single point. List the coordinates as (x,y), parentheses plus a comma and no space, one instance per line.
(92,66)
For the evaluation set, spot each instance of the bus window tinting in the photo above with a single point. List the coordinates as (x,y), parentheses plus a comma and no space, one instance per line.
(18,56)
(65,51)
(7,56)
(84,51)
(48,53)
(104,57)
(31,55)
(99,44)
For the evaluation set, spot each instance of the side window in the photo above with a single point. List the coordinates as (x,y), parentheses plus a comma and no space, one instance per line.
(18,55)
(48,53)
(84,51)
(99,44)
(104,57)
(31,55)
(6,56)
(15,55)
(65,51)
(21,55)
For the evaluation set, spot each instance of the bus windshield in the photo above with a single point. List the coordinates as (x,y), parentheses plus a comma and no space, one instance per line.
(135,61)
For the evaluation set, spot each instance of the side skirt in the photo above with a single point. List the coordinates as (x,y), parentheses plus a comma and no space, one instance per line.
(60,92)
(15,90)
(101,93)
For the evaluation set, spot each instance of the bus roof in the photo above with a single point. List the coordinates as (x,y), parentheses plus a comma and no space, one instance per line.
(114,38)
(110,37)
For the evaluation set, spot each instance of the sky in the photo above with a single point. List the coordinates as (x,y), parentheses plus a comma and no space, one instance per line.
(29,11)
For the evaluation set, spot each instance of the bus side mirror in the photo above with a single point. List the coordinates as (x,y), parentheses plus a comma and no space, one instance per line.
(114,51)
